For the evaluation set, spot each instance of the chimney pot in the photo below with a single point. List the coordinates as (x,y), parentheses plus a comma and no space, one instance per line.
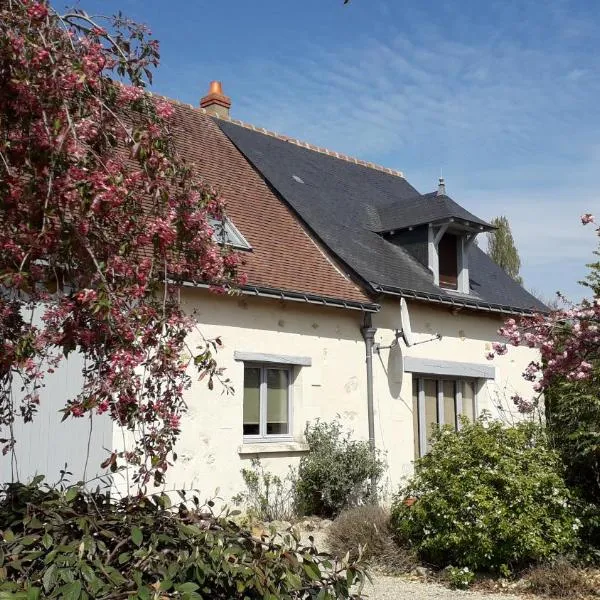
(215,102)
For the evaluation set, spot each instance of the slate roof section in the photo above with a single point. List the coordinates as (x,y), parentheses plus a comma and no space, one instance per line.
(342,203)
(284,256)
(422,209)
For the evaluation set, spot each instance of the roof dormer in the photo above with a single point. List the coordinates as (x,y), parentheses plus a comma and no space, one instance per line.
(436,231)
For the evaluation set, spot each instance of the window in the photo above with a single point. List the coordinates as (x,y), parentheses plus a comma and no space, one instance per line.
(225,232)
(448,260)
(267,401)
(440,401)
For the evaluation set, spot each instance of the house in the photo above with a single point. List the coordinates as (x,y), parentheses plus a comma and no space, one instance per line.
(365,299)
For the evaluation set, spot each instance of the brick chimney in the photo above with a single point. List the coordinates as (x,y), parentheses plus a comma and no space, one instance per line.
(215,102)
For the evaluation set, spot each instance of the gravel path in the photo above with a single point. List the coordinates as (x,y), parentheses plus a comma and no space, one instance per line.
(407,588)
(399,588)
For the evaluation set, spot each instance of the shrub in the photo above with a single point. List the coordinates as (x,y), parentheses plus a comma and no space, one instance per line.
(561,579)
(460,578)
(267,497)
(368,527)
(80,545)
(337,472)
(489,497)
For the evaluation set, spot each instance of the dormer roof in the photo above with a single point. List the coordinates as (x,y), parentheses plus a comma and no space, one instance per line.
(426,209)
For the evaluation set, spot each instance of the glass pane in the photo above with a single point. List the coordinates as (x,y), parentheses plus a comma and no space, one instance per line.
(468,400)
(277,401)
(449,403)
(415,409)
(251,401)
(431,416)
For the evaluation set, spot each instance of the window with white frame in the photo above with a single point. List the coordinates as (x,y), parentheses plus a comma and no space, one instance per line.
(440,401)
(267,401)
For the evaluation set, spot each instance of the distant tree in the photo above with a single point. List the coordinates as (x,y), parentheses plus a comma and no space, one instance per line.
(502,249)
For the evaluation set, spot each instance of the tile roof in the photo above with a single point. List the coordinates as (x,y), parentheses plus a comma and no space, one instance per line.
(343,202)
(284,256)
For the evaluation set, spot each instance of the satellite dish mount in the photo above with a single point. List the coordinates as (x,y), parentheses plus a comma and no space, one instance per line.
(405,331)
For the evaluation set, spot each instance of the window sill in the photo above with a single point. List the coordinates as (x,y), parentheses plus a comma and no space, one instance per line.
(272,447)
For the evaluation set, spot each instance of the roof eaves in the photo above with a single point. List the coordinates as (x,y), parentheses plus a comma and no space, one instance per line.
(278,294)
(448,300)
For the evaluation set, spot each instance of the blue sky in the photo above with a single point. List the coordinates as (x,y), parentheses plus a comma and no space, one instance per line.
(503,95)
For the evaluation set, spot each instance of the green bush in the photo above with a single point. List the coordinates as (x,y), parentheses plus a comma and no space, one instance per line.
(337,472)
(79,545)
(489,497)
(573,425)
(368,528)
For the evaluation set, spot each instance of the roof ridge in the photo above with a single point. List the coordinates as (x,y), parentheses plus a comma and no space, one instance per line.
(307,145)
(286,138)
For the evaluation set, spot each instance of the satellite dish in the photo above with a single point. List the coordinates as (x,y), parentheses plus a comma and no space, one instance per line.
(406,331)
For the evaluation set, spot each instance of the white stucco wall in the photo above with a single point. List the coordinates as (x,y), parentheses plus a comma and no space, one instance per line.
(466,337)
(211,440)
(211,449)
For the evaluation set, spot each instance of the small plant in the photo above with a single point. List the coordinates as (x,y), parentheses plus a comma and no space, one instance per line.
(337,473)
(460,578)
(367,528)
(561,579)
(489,497)
(267,497)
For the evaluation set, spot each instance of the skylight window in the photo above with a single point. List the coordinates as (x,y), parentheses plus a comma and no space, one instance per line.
(225,232)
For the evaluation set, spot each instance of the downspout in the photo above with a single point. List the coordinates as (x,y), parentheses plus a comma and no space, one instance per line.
(368,332)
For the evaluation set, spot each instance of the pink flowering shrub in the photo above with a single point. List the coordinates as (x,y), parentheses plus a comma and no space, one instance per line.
(568,339)
(101,225)
(568,376)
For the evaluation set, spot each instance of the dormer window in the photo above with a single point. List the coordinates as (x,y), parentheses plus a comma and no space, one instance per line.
(435,231)
(448,258)
(448,261)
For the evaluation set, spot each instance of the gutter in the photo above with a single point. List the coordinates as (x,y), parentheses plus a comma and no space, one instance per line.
(450,301)
(278,294)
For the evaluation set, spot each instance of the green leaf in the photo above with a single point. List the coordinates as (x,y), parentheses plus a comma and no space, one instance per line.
(35,523)
(33,593)
(28,540)
(165,585)
(8,536)
(189,586)
(312,570)
(71,591)
(137,537)
(124,557)
(47,540)
(72,493)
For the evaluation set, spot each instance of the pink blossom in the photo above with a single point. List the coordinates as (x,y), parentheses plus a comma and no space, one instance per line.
(164,110)
(587,218)
(37,11)
(499,348)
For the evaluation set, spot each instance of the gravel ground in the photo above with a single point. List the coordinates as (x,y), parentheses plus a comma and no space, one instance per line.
(399,588)
(405,588)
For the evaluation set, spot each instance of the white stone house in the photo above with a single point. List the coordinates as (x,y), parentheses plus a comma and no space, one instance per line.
(332,246)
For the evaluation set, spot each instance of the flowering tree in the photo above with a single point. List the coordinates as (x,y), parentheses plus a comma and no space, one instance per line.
(568,340)
(101,225)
